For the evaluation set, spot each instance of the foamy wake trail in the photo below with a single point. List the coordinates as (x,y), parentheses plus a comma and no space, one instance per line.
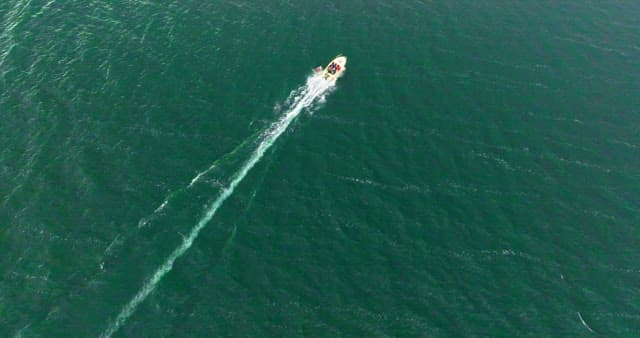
(300,99)
(157,212)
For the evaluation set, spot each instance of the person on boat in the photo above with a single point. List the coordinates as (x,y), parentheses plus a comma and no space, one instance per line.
(332,68)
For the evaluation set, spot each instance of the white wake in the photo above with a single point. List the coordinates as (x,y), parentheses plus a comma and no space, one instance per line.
(300,99)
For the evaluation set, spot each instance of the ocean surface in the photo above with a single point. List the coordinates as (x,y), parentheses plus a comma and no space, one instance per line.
(172,169)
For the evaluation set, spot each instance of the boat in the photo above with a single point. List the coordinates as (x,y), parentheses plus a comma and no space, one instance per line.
(335,68)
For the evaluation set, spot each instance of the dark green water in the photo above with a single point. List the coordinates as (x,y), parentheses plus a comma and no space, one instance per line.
(475,172)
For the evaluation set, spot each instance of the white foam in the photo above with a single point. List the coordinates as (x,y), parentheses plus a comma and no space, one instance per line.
(585,323)
(300,99)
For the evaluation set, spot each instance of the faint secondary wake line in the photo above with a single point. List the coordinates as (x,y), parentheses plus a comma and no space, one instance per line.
(585,323)
(215,164)
(314,88)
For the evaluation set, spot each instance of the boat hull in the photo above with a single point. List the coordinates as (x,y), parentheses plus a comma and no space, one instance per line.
(332,75)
